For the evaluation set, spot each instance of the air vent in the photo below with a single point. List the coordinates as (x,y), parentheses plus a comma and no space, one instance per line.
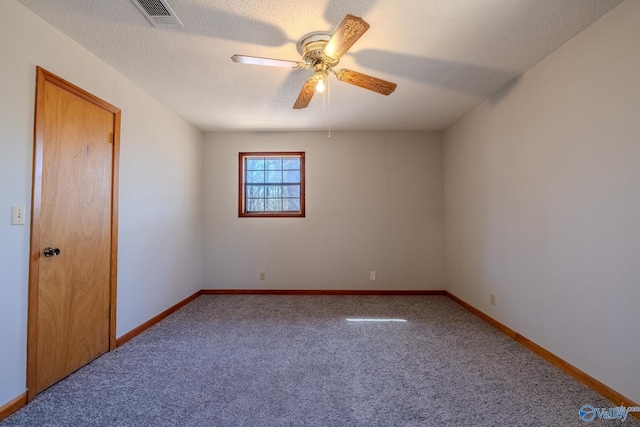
(158,12)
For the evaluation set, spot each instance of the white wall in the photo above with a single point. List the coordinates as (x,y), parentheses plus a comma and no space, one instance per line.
(374,202)
(160,185)
(542,202)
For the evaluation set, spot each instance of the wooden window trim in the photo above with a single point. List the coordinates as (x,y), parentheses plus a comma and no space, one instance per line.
(241,196)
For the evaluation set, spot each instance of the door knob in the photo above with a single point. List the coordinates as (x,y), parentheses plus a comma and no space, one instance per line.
(51,252)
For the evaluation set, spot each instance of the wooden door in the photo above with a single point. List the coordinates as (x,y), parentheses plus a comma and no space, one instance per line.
(74,209)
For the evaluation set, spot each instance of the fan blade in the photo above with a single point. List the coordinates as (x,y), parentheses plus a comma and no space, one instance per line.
(348,32)
(256,60)
(367,82)
(306,94)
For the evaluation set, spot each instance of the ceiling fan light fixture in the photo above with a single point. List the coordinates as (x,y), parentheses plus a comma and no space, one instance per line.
(320,76)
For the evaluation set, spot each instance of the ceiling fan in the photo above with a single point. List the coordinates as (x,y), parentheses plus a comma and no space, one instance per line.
(322,52)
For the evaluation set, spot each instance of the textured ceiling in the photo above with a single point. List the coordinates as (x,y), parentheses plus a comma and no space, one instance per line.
(447,56)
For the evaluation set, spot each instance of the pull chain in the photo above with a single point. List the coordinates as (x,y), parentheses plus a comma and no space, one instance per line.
(328,108)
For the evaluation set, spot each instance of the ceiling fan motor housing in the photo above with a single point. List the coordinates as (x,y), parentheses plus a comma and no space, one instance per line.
(311,47)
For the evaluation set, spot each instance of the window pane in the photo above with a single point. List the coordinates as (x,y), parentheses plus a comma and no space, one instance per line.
(291,176)
(291,163)
(255,176)
(274,164)
(255,205)
(255,164)
(274,205)
(274,177)
(291,191)
(255,191)
(274,191)
(290,204)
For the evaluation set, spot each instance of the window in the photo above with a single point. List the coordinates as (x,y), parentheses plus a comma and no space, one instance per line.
(271,184)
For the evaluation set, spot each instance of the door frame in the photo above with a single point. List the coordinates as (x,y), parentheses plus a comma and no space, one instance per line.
(42,77)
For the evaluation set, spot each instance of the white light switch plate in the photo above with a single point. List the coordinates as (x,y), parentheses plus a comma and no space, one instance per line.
(17,217)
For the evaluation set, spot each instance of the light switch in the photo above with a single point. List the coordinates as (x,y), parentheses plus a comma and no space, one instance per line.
(17,217)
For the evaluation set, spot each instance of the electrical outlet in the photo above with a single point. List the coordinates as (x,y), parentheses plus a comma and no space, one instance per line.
(492,299)
(263,275)
(372,275)
(17,217)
